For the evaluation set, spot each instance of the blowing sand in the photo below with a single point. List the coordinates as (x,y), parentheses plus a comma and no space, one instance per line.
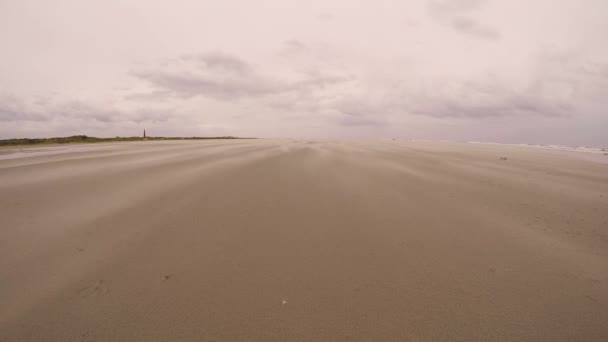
(295,240)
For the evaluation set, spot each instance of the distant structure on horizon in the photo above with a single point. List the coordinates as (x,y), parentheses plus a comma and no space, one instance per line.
(145,134)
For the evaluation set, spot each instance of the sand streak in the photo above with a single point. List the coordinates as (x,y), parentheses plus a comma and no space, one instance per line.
(302,240)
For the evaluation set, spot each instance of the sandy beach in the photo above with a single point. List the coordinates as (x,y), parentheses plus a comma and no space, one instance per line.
(293,240)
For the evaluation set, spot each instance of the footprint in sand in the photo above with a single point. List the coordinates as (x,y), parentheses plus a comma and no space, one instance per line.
(87,337)
(97,289)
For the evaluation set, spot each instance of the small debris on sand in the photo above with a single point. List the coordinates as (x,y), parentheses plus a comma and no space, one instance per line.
(503,158)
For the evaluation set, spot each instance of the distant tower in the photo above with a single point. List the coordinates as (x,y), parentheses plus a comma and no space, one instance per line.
(144,134)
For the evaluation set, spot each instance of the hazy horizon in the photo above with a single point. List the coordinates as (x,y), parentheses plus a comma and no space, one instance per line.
(466,70)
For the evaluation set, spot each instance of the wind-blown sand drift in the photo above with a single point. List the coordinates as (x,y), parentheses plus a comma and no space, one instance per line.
(287,240)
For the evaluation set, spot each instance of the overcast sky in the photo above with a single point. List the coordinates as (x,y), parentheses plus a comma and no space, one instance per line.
(485,70)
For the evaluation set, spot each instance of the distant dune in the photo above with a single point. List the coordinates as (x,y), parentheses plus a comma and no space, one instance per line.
(258,240)
(87,139)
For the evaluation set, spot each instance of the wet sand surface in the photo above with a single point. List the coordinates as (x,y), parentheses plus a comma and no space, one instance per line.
(276,240)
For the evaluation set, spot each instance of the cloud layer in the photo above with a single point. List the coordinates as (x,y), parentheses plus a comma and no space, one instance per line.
(438,69)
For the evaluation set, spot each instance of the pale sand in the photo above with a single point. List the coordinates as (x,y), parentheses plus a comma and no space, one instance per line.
(295,240)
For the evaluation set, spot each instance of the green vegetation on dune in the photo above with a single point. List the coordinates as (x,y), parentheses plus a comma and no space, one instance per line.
(80,139)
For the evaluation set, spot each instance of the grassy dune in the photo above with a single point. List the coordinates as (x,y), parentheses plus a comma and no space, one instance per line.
(83,139)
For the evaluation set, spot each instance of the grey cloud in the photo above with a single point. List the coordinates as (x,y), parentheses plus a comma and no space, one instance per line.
(595,70)
(189,84)
(10,109)
(219,61)
(516,105)
(325,17)
(229,78)
(356,106)
(81,110)
(294,45)
(14,109)
(440,7)
(456,14)
(224,77)
(484,100)
(215,75)
(319,82)
(364,108)
(294,51)
(359,112)
(481,99)
(469,26)
(458,100)
(145,115)
(360,121)
(156,95)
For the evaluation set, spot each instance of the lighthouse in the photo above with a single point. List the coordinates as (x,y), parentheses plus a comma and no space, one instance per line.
(145,135)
